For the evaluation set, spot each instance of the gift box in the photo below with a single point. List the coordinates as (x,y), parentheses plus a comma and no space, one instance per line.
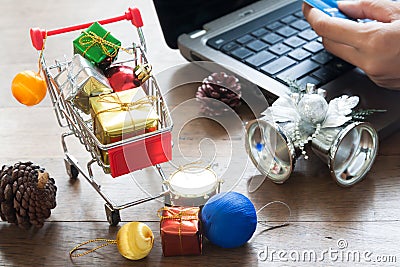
(97,45)
(140,154)
(80,80)
(122,115)
(180,231)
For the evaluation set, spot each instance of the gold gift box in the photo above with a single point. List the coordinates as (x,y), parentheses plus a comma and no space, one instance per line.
(80,80)
(122,115)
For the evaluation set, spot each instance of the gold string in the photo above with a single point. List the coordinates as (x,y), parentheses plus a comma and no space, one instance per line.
(105,242)
(194,164)
(41,54)
(180,236)
(89,39)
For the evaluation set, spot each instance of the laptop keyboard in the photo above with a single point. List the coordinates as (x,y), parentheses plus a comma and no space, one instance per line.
(286,49)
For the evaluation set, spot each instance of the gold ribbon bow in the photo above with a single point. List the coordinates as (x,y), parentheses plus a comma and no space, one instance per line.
(123,106)
(89,39)
(186,214)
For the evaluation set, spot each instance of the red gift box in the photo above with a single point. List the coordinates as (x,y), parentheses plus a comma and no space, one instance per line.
(180,231)
(140,154)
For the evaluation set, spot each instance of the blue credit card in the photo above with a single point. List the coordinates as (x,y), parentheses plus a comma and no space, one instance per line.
(329,7)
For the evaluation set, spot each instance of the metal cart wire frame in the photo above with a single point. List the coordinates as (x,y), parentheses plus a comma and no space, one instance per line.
(81,127)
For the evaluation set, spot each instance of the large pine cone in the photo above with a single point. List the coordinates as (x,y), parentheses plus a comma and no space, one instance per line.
(218,92)
(27,194)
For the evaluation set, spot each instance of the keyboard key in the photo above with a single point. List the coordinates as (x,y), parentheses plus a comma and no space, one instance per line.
(294,41)
(260,32)
(229,46)
(298,71)
(308,79)
(288,19)
(260,58)
(241,53)
(278,65)
(216,43)
(272,38)
(245,39)
(274,25)
(300,25)
(319,39)
(287,31)
(279,49)
(308,35)
(314,47)
(322,57)
(299,54)
(339,65)
(325,74)
(257,45)
(299,14)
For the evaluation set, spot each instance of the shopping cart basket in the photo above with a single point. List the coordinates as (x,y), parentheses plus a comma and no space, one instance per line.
(125,156)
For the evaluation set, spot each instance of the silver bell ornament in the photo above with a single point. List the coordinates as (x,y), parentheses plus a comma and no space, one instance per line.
(349,151)
(270,149)
(275,141)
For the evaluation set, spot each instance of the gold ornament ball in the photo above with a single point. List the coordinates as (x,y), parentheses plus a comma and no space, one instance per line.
(135,240)
(28,87)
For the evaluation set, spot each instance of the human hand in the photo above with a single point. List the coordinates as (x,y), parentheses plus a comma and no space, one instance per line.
(374,46)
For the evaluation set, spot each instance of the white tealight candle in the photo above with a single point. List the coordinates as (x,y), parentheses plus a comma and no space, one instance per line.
(193,181)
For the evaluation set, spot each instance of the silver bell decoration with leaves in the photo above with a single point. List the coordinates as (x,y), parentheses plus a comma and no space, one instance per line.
(348,146)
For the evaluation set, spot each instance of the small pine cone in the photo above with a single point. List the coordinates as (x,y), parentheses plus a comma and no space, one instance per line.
(218,93)
(27,194)
(7,211)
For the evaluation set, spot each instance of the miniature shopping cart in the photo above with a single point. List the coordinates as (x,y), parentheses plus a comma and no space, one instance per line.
(125,156)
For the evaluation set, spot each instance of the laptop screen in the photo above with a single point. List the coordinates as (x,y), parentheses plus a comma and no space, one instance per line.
(185,16)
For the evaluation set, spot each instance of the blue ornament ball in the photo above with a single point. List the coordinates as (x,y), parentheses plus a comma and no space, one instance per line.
(228,219)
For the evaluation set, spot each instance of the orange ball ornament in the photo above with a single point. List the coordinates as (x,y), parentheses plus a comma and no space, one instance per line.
(28,87)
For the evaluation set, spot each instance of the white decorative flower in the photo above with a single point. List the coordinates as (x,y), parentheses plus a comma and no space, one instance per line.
(313,109)
(338,110)
(284,109)
(303,116)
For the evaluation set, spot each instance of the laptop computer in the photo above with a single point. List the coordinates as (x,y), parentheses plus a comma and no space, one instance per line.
(269,43)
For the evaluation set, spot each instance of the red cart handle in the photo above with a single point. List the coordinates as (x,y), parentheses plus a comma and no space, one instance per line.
(38,35)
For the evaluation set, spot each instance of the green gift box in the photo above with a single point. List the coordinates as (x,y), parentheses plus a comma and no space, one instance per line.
(97,45)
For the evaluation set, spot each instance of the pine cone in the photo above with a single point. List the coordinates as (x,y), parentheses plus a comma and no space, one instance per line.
(27,194)
(222,87)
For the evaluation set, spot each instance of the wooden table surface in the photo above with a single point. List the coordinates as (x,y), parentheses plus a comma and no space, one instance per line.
(324,216)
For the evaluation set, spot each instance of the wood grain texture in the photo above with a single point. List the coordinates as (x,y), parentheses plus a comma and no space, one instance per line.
(50,246)
(367,215)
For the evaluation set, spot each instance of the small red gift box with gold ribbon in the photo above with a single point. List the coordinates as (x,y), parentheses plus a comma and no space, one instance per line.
(180,231)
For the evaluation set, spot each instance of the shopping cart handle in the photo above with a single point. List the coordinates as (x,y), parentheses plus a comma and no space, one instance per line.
(38,35)
(135,17)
